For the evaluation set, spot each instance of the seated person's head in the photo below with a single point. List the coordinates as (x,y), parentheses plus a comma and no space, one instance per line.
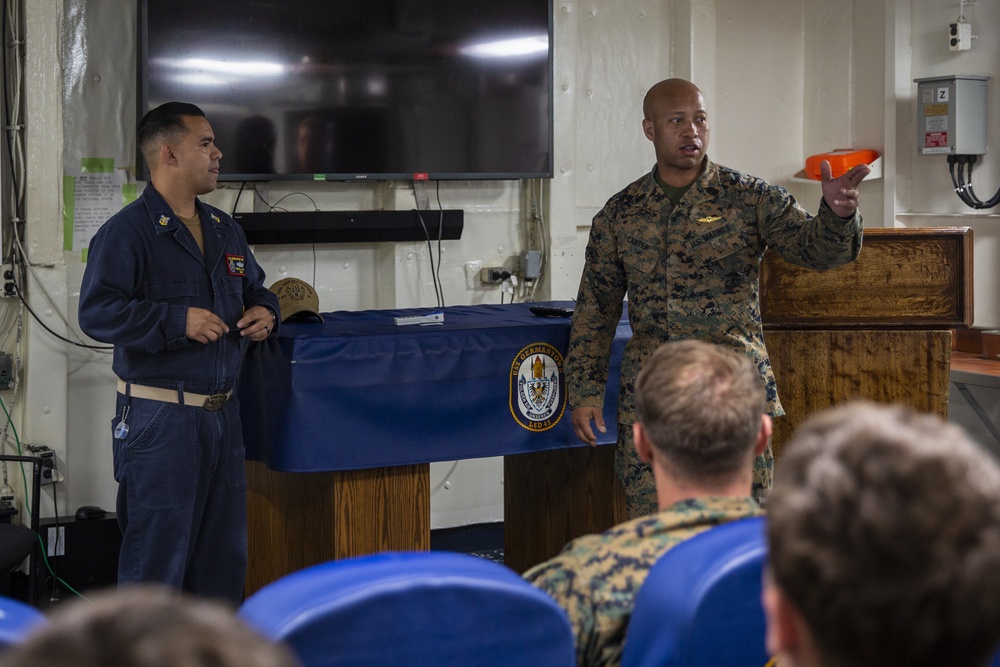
(700,410)
(145,626)
(884,538)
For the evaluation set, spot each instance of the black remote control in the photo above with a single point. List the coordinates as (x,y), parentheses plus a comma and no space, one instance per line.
(552,311)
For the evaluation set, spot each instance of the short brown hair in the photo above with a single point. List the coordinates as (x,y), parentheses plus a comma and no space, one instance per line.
(884,532)
(146,626)
(701,406)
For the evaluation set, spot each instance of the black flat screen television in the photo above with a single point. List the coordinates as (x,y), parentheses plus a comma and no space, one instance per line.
(347,90)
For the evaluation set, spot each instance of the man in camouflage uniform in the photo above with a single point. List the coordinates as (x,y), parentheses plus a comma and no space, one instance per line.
(701,423)
(685,243)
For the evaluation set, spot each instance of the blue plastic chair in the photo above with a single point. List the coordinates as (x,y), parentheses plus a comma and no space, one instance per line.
(17,620)
(412,608)
(700,604)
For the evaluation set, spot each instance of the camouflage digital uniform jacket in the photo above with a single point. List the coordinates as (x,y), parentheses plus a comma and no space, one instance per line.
(690,273)
(595,578)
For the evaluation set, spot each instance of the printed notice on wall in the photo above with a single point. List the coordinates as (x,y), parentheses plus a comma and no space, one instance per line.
(92,193)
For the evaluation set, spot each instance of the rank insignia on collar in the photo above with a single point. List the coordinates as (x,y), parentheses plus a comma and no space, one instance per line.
(216,218)
(163,221)
(710,218)
(236,264)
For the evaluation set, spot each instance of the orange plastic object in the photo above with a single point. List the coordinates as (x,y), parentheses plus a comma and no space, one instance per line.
(841,161)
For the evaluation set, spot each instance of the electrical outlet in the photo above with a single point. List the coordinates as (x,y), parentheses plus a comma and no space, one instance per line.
(6,370)
(494,275)
(48,457)
(8,288)
(959,36)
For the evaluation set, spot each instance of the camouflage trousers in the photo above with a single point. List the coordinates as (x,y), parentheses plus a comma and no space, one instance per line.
(640,486)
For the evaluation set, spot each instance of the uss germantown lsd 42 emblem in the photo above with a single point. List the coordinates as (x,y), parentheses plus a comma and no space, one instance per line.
(537,399)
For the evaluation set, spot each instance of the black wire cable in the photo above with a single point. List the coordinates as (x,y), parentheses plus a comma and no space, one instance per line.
(989,203)
(437,188)
(435,270)
(17,291)
(965,178)
(58,536)
(438,293)
(237,202)
(274,206)
(960,168)
(954,176)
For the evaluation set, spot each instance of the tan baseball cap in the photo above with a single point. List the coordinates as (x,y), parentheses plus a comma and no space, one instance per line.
(296,298)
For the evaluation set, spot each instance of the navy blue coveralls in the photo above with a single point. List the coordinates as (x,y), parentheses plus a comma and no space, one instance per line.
(181,480)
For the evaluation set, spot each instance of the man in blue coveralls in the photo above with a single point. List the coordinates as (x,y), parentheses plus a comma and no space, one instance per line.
(171,283)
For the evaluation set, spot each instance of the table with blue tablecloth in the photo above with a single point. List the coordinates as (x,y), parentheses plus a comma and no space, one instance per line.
(342,417)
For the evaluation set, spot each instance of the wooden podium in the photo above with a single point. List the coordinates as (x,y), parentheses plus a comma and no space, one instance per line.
(877,329)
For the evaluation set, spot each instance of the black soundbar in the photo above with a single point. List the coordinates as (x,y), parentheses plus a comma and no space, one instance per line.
(279,227)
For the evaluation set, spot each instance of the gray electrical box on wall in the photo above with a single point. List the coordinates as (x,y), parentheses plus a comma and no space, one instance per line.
(951,115)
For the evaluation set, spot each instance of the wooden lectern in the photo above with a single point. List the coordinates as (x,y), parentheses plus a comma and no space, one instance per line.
(877,329)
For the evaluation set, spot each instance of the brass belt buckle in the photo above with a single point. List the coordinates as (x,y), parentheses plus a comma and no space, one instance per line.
(215,401)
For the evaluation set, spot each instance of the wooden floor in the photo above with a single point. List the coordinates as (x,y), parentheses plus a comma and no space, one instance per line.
(970,362)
